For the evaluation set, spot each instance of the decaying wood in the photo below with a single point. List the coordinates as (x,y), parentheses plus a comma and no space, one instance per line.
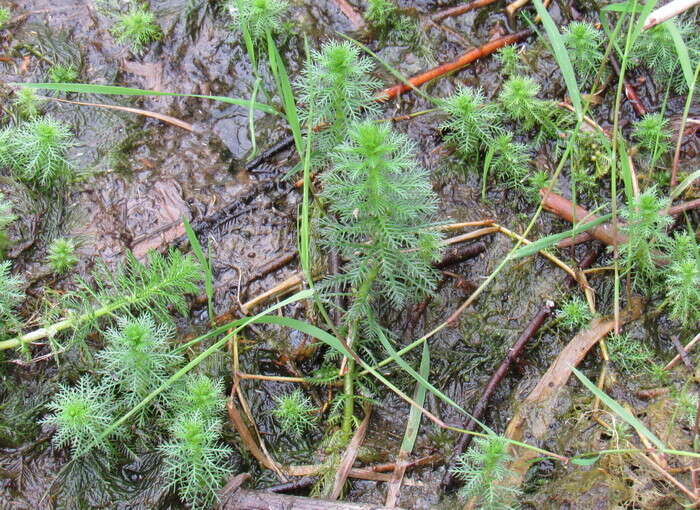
(288,285)
(449,67)
(244,499)
(630,91)
(538,412)
(687,348)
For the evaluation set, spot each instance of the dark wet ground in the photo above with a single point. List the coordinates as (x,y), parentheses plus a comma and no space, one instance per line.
(148,174)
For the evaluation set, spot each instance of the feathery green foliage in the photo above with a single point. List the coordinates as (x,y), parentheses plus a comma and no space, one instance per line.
(257,17)
(574,313)
(656,50)
(519,101)
(137,357)
(380,14)
(583,42)
(11,294)
(62,74)
(81,413)
(26,103)
(61,255)
(682,278)
(653,136)
(631,356)
(510,60)
(646,236)
(335,87)
(294,412)
(195,462)
(472,121)
(5,16)
(6,216)
(36,151)
(137,28)
(483,469)
(200,394)
(510,160)
(381,206)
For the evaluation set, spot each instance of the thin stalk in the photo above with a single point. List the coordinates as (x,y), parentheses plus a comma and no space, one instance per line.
(686,110)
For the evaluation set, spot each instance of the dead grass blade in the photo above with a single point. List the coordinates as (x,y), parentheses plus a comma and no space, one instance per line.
(350,455)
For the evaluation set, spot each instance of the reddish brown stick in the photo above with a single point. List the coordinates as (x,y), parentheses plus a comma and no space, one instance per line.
(461,62)
(355,18)
(564,208)
(458,10)
(630,92)
(513,354)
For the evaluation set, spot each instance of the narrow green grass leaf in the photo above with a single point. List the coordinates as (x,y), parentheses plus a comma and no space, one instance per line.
(562,58)
(546,242)
(88,88)
(414,415)
(619,410)
(585,461)
(626,171)
(681,51)
(205,263)
(684,185)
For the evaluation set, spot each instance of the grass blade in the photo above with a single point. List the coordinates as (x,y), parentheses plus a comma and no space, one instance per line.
(681,51)
(546,242)
(619,410)
(88,88)
(684,185)
(562,58)
(206,264)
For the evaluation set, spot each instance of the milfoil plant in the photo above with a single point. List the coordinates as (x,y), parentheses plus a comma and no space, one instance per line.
(380,219)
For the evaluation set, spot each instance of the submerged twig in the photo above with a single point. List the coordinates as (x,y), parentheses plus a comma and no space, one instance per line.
(458,10)
(464,60)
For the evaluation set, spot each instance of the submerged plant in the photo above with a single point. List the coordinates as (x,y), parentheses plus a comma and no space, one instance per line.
(5,16)
(381,14)
(11,294)
(257,17)
(682,277)
(294,412)
(583,41)
(36,151)
(137,28)
(6,216)
(81,413)
(630,355)
(519,101)
(154,288)
(61,255)
(472,121)
(509,160)
(574,313)
(653,136)
(509,59)
(200,394)
(137,358)
(484,468)
(62,74)
(645,229)
(336,88)
(195,462)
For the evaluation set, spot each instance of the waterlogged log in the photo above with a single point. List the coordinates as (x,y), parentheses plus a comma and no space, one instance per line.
(244,499)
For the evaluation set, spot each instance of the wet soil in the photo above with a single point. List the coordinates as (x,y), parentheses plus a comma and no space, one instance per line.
(142,176)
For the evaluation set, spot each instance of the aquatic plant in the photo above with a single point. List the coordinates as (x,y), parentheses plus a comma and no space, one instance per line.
(645,229)
(682,279)
(381,206)
(535,182)
(380,14)
(574,313)
(294,412)
(137,357)
(653,136)
(483,469)
(62,74)
(152,288)
(6,216)
(61,255)
(36,151)
(11,294)
(26,102)
(194,460)
(137,28)
(81,413)
(509,60)
(257,17)
(519,101)
(509,161)
(199,394)
(583,42)
(655,49)
(336,88)
(5,16)
(629,355)
(472,123)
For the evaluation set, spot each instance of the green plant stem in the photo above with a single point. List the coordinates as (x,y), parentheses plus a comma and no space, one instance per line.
(349,378)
